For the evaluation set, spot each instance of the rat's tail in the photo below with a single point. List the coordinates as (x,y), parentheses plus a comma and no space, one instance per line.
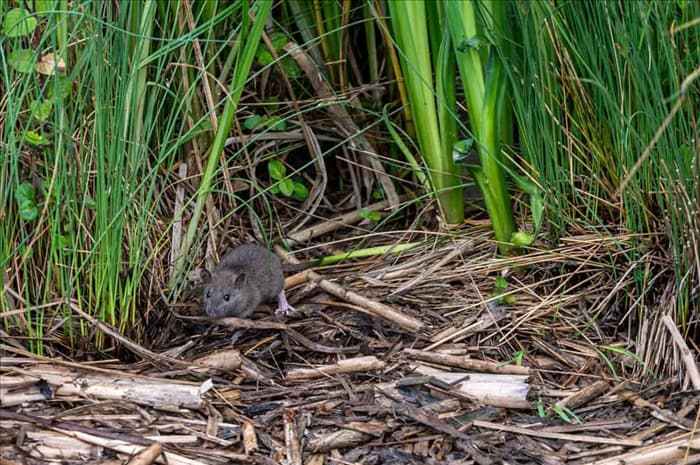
(287,268)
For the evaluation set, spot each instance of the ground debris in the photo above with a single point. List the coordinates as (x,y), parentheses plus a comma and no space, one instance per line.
(478,383)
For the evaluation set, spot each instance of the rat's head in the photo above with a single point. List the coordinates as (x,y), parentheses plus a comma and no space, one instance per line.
(226,294)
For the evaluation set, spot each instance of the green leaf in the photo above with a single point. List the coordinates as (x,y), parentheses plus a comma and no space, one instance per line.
(287,187)
(41,109)
(518,357)
(22,60)
(19,23)
(275,123)
(462,149)
(609,363)
(90,203)
(562,413)
(300,191)
(272,102)
(25,192)
(265,57)
(276,169)
(291,68)
(41,6)
(537,207)
(263,54)
(63,241)
(625,352)
(500,287)
(540,408)
(369,215)
(566,414)
(64,86)
(35,139)
(521,238)
(501,284)
(525,185)
(28,210)
(279,40)
(275,188)
(253,122)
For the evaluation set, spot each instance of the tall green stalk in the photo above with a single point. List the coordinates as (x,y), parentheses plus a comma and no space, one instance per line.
(476,36)
(435,131)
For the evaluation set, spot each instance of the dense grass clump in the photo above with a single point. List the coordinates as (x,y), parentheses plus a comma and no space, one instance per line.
(97,112)
(606,101)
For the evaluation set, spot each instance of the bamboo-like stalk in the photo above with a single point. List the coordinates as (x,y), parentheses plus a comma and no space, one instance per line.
(485,91)
(409,23)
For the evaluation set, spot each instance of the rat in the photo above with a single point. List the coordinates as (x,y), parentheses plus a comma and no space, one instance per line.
(246,277)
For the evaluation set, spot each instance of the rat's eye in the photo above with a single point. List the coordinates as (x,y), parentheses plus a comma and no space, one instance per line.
(227,297)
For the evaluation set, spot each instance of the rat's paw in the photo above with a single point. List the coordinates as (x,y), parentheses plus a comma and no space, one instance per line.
(285,310)
(283,307)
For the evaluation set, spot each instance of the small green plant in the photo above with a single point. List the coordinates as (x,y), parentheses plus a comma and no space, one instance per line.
(285,185)
(609,363)
(500,288)
(368,215)
(518,357)
(566,414)
(21,60)
(41,109)
(521,238)
(25,194)
(260,122)
(35,139)
(541,409)
(618,350)
(461,150)
(19,23)
(625,352)
(265,57)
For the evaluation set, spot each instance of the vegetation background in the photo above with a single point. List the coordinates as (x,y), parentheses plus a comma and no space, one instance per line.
(135,136)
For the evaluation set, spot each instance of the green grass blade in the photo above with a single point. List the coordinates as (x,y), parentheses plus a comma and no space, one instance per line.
(240,75)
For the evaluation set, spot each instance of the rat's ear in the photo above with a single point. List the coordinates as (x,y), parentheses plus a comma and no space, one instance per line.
(205,276)
(240,280)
